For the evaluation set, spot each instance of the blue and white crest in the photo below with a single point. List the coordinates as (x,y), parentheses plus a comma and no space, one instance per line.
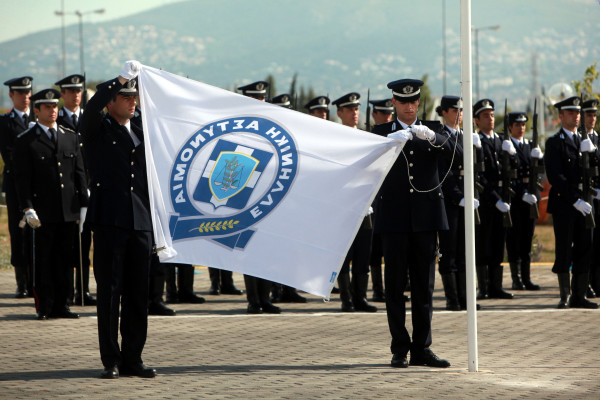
(231,174)
(228,176)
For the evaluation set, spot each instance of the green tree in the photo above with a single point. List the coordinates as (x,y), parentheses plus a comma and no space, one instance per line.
(584,87)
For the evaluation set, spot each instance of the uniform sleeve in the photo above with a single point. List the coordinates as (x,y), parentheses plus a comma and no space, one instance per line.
(92,115)
(22,166)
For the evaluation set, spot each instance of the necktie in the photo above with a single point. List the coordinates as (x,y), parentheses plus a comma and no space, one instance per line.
(25,118)
(52,134)
(75,119)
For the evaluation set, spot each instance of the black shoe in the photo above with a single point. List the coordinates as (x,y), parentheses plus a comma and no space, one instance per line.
(399,361)
(518,285)
(499,294)
(254,309)
(364,307)
(42,317)
(64,313)
(378,297)
(269,308)
(214,290)
(347,307)
(292,297)
(160,309)
(137,370)
(530,285)
(110,373)
(428,358)
(575,302)
(450,306)
(192,299)
(21,294)
(88,300)
(231,290)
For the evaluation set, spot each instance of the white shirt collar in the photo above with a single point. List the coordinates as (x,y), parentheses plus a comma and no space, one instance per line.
(46,128)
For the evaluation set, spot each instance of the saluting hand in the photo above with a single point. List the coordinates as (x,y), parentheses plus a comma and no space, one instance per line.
(131,69)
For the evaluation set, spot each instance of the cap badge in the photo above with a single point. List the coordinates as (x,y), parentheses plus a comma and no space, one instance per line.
(486,103)
(352,97)
(576,102)
(322,100)
(388,103)
(75,79)
(407,89)
(25,81)
(49,95)
(260,86)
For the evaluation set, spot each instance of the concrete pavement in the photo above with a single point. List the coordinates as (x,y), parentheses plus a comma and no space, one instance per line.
(527,349)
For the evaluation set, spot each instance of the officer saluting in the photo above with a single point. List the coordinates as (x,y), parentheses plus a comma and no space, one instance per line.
(11,125)
(52,190)
(409,212)
(119,214)
(573,240)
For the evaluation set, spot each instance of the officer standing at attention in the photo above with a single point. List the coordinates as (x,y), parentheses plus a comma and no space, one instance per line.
(318,107)
(11,125)
(353,294)
(69,115)
(119,214)
(258,290)
(590,110)
(491,234)
(573,240)
(520,235)
(51,183)
(452,264)
(410,211)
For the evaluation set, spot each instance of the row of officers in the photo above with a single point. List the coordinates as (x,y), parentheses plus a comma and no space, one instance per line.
(366,252)
(417,216)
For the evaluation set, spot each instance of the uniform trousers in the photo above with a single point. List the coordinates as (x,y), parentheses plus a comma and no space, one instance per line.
(573,242)
(53,246)
(359,253)
(452,241)
(121,269)
(414,252)
(520,235)
(490,237)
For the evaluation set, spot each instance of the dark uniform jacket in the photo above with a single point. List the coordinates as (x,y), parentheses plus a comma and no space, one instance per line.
(522,164)
(118,183)
(50,177)
(400,208)
(491,178)
(563,169)
(65,120)
(11,125)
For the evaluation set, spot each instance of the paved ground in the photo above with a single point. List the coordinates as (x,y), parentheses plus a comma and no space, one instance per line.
(527,349)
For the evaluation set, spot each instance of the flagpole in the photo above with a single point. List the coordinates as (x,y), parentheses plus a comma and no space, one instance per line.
(467,90)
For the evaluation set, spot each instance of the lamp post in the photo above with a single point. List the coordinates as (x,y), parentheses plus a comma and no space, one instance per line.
(79,14)
(476,34)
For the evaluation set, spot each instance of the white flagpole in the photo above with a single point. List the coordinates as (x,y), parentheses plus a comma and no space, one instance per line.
(467,90)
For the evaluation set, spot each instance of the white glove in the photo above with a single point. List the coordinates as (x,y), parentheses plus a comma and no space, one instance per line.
(82,214)
(475,203)
(32,218)
(509,147)
(423,132)
(502,206)
(587,146)
(476,140)
(529,198)
(583,207)
(597,195)
(537,153)
(402,136)
(131,69)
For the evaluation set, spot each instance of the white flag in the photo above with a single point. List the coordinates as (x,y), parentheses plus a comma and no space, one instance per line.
(246,186)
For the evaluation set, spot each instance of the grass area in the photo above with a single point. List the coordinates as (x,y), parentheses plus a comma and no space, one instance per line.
(543,246)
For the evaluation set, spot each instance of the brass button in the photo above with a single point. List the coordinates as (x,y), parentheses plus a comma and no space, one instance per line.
(132,175)
(132,188)
(411,190)
(410,165)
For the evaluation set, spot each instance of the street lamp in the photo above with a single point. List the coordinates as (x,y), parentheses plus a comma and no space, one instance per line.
(80,15)
(476,31)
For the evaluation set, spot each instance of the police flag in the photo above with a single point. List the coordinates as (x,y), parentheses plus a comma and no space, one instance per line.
(247,186)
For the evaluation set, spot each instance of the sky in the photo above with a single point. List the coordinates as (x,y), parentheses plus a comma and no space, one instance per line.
(28,16)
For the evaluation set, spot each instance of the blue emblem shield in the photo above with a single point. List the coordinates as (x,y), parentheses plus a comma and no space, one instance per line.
(230,174)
